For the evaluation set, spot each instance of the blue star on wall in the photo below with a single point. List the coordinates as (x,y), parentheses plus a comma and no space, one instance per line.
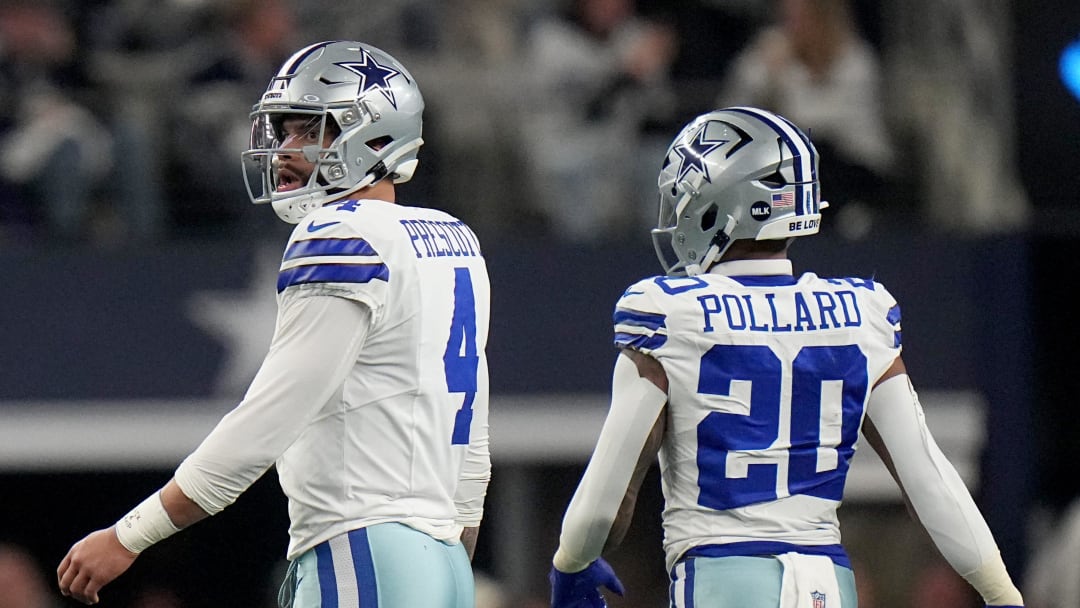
(373,75)
(693,150)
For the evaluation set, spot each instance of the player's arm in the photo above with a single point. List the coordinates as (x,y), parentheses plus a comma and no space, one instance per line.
(651,370)
(101,557)
(603,503)
(935,494)
(476,471)
(308,359)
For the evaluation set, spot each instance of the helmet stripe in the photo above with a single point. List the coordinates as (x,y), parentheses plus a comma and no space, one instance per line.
(805,167)
(298,58)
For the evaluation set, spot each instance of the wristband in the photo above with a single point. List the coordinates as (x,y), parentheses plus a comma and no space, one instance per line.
(145,525)
(992,581)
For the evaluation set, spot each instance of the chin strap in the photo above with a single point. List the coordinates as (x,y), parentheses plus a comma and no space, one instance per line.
(716,248)
(292,210)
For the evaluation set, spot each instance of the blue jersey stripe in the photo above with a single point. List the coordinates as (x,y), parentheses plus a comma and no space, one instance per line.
(671,589)
(894,315)
(625,316)
(316,247)
(324,562)
(779,280)
(689,585)
(366,584)
(755,548)
(638,341)
(332,273)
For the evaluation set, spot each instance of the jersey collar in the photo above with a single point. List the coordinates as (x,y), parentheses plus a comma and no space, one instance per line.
(757,268)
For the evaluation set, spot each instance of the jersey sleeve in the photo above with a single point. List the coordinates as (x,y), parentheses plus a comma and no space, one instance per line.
(639,322)
(317,341)
(335,260)
(885,318)
(892,315)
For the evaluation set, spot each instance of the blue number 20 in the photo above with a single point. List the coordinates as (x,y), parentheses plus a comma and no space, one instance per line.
(460,360)
(738,463)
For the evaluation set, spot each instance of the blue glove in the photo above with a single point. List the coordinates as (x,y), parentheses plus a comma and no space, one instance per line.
(581,589)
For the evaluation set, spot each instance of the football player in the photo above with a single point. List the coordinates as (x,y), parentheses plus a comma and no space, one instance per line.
(372,401)
(753,384)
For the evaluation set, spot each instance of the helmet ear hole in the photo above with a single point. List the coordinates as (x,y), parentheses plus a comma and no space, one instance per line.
(379,142)
(708,219)
(774,180)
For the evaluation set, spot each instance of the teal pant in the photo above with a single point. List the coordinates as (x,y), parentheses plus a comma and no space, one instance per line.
(741,582)
(382,566)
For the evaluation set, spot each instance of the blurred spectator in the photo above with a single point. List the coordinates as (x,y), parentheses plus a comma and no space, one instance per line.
(139,54)
(250,39)
(814,67)
(22,584)
(471,121)
(489,592)
(53,151)
(594,75)
(401,27)
(951,90)
(1053,577)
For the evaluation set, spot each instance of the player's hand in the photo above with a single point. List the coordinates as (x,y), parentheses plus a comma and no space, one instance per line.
(582,589)
(92,563)
(1009,606)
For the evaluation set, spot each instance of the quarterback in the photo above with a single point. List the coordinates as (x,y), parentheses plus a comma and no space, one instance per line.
(372,401)
(752,385)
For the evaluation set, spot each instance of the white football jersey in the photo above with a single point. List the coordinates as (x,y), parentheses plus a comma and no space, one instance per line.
(375,413)
(769,376)
(391,443)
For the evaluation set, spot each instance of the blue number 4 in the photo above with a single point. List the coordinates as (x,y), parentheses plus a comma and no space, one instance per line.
(461,360)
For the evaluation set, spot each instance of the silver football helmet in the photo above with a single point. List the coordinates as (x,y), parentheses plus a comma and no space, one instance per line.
(735,173)
(351,89)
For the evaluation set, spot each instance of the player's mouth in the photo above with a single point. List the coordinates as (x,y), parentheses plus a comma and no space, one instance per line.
(288,181)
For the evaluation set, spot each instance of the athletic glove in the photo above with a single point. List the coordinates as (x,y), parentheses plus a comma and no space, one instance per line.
(1010,606)
(582,589)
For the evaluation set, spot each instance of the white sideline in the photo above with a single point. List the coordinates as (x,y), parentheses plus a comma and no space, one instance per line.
(76,436)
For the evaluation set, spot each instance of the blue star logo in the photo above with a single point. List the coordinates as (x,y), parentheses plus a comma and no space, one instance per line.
(373,76)
(692,153)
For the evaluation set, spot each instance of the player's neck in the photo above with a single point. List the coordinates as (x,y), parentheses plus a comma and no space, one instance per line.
(382,190)
(746,249)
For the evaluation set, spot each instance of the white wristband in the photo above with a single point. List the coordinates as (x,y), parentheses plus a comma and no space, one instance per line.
(145,525)
(992,582)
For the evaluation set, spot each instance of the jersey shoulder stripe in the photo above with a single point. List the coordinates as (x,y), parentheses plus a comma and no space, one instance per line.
(335,255)
(893,317)
(651,321)
(332,273)
(638,322)
(331,246)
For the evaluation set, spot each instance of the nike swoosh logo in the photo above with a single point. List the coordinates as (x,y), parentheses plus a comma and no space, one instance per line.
(317,227)
(633,293)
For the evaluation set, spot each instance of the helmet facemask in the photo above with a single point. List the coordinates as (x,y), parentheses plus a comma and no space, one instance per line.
(271,178)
